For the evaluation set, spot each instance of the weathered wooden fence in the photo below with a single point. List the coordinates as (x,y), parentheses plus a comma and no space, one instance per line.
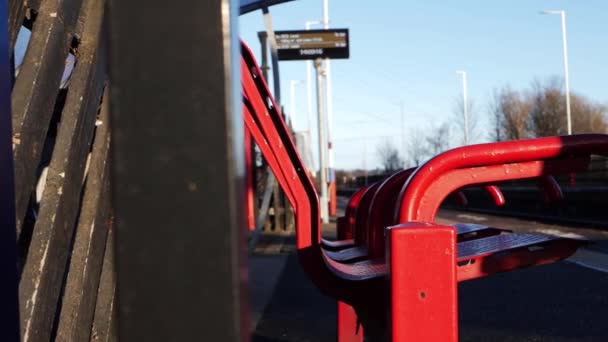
(60,147)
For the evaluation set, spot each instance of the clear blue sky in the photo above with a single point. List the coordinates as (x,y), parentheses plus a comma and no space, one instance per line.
(409,51)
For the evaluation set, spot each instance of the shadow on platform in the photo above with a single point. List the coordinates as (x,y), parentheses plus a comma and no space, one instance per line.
(559,302)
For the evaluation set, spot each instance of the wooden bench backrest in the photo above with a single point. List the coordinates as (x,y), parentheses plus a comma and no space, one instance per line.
(64,234)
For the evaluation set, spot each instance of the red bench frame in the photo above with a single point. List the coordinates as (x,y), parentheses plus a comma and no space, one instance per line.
(420,272)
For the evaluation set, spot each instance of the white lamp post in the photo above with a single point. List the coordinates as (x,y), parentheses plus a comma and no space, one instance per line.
(565,44)
(465,108)
(309,87)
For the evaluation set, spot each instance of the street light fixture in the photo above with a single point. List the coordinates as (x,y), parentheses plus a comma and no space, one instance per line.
(562,13)
(465,108)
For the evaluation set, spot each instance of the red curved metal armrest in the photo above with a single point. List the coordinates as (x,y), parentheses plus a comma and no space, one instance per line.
(491,163)
(269,130)
(380,210)
(551,189)
(496,194)
(351,210)
(271,159)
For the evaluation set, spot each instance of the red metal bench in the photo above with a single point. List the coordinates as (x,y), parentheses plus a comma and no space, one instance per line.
(345,225)
(409,290)
(371,209)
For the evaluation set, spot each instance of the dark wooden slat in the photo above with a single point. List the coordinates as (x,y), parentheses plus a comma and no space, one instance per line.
(104,323)
(79,301)
(16,12)
(87,255)
(9,312)
(33,4)
(45,265)
(36,89)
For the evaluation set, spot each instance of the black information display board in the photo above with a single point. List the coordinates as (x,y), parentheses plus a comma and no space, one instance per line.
(312,44)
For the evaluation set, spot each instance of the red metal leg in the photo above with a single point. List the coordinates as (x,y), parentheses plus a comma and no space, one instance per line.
(424,293)
(349,329)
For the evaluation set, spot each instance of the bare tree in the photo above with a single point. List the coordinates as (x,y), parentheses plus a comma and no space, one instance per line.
(389,157)
(509,112)
(495,114)
(548,111)
(438,139)
(587,116)
(416,148)
(542,112)
(473,119)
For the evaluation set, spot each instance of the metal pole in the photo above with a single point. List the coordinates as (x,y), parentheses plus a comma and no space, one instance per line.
(329,101)
(568,113)
(365,159)
(322,142)
(562,14)
(263,37)
(309,86)
(403,130)
(309,100)
(309,94)
(465,108)
(274,55)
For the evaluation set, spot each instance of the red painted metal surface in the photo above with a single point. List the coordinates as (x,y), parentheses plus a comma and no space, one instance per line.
(496,194)
(424,207)
(362,214)
(461,199)
(424,291)
(509,156)
(349,327)
(379,212)
(351,211)
(266,150)
(359,250)
(422,257)
(345,225)
(266,125)
(270,133)
(381,209)
(552,190)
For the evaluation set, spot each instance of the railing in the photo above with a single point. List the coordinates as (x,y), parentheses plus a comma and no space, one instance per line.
(60,144)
